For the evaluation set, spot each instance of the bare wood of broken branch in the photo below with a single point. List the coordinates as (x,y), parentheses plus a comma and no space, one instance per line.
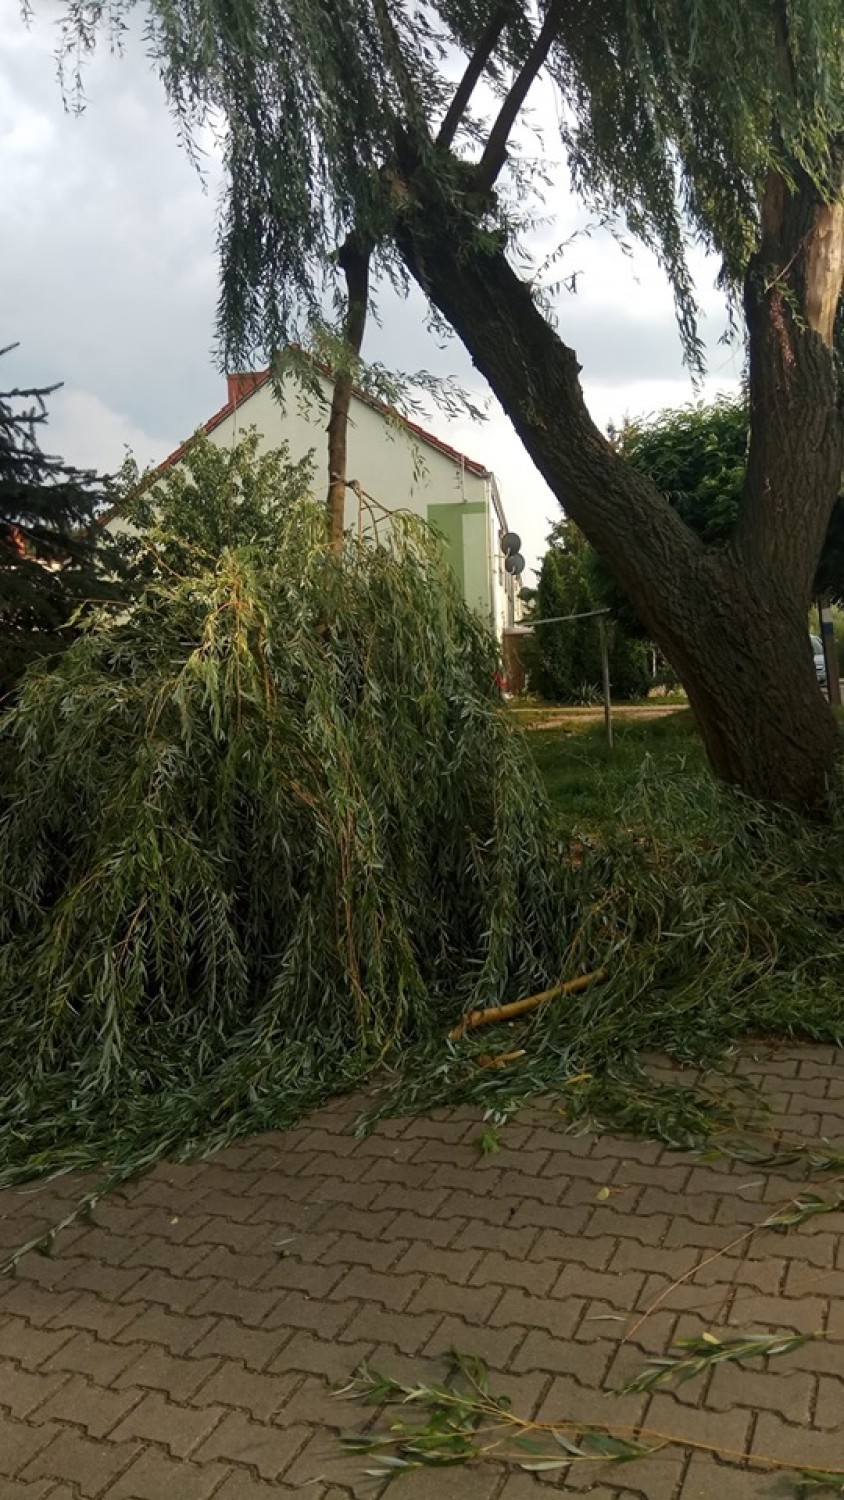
(516,1008)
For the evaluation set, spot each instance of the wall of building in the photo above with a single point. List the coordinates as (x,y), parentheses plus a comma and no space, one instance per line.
(399,470)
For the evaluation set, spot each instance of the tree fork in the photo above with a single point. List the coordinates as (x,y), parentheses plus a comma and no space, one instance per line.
(486,46)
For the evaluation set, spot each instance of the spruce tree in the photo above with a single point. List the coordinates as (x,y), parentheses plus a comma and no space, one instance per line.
(53,554)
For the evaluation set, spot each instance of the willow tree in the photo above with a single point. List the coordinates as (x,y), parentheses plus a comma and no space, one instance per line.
(379,134)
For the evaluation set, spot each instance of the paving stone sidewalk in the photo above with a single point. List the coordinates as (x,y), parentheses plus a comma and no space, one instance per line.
(184,1345)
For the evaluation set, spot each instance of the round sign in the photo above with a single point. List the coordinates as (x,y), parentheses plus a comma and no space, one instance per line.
(514,564)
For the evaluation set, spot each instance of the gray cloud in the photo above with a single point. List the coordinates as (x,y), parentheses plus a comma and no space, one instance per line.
(109,240)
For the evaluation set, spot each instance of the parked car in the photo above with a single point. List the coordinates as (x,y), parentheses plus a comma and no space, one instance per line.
(820,661)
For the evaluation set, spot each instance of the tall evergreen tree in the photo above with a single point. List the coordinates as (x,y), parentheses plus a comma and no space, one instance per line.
(720,119)
(53,557)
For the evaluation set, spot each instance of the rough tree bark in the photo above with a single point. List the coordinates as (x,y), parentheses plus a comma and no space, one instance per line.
(732,620)
(354,258)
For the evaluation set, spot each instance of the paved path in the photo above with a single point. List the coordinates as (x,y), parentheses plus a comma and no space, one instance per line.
(183,1345)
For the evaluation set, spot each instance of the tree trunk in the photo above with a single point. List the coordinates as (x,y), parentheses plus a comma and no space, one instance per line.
(742,650)
(354,259)
(732,620)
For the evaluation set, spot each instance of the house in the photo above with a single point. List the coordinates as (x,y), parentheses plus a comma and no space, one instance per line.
(397,463)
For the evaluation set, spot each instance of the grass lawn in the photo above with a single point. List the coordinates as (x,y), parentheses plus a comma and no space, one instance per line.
(589,783)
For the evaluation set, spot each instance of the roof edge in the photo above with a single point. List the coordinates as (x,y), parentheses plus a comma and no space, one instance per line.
(244,385)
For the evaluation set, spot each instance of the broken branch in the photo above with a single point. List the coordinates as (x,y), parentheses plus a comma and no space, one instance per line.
(477,1018)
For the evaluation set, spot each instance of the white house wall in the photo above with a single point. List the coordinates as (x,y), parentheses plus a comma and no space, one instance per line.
(397,468)
(392,465)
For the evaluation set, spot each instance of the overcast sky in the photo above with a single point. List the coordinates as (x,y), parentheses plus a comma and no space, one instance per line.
(109,282)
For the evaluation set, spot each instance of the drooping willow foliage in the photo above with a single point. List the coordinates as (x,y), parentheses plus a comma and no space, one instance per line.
(671,114)
(265,829)
(270,833)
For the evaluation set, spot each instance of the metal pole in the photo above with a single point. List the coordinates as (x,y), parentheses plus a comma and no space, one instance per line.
(830,655)
(605,667)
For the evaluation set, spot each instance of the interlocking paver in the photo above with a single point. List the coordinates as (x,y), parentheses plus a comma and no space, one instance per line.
(19,1444)
(404,1330)
(412,1226)
(789,1392)
(156,1326)
(503,1270)
(801,1314)
(22,1391)
(230,1265)
(495,1345)
(110,1282)
(186,1345)
(255,1346)
(299,1310)
(85,1354)
(791,1443)
(179,1293)
(291,1274)
(83,1404)
(378,1255)
(588,1363)
(156,1476)
(165,1255)
(410,1173)
(481,1483)
(322,1460)
(30,1346)
(569,1401)
(829,1411)
(707,1477)
(157,1420)
(388,1288)
(679,1419)
(153,1368)
(269,1449)
(561,1217)
(461,1204)
(96,1315)
(519,1309)
(259,1395)
(451,1265)
(314,1356)
(37,1304)
(35,1489)
(242,1486)
(245,1303)
(86,1463)
(524,1487)
(438,1294)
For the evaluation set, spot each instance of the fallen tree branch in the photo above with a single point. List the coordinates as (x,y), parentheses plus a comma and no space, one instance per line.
(477,1018)
(467,1423)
